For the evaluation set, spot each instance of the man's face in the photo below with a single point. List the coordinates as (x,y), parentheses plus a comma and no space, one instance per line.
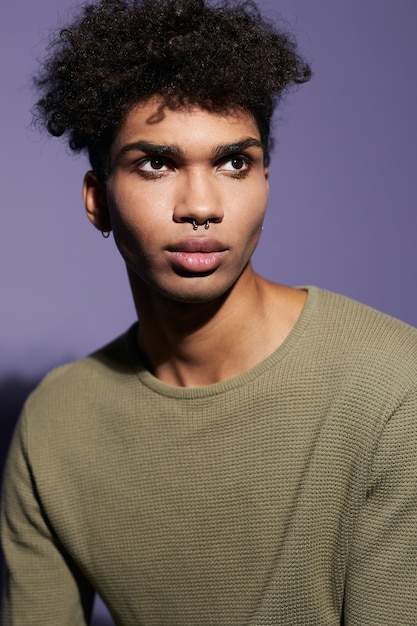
(170,176)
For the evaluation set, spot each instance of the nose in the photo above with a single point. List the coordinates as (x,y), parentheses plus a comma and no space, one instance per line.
(198,199)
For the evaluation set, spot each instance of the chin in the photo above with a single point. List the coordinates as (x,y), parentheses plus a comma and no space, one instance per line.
(200,293)
(196,297)
(191,290)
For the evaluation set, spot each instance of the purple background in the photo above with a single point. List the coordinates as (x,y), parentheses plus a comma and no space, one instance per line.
(342,211)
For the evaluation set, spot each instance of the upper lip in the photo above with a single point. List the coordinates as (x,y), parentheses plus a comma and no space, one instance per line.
(197,244)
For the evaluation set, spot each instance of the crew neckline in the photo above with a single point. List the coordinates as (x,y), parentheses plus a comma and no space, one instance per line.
(172,391)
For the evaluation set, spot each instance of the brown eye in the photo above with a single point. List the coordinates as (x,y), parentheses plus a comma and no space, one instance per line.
(237,163)
(156,163)
(153,165)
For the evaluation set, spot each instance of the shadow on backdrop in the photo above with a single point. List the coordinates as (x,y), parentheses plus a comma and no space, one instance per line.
(13,393)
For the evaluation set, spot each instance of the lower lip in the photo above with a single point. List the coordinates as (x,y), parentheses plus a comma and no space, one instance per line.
(197,262)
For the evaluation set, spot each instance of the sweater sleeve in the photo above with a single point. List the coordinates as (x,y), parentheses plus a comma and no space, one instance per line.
(43,586)
(381,583)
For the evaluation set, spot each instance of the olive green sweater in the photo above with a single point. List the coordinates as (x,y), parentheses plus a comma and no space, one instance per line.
(285,496)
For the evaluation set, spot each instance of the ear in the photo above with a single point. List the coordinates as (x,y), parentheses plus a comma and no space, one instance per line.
(95,202)
(266,174)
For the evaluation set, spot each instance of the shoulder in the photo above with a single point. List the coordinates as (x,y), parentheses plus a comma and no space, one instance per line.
(73,392)
(365,359)
(110,360)
(359,332)
(357,315)
(361,365)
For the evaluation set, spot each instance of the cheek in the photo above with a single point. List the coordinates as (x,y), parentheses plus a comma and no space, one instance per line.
(254,219)
(125,220)
(134,215)
(255,209)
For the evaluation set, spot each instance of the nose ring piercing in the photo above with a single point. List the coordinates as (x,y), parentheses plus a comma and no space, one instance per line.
(195,225)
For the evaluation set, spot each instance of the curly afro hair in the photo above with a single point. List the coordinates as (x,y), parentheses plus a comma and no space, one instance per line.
(219,56)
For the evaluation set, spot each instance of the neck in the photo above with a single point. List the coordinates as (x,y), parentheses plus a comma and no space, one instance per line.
(200,344)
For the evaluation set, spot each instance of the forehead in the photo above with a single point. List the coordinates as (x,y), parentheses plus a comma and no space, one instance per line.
(153,121)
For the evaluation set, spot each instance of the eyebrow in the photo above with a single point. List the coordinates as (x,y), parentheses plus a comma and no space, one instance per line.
(238,146)
(150,148)
(175,151)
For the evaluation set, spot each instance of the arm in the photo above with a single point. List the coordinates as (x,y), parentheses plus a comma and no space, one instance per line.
(43,587)
(381,587)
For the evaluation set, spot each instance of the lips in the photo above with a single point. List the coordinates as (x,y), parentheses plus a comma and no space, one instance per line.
(196,255)
(197,244)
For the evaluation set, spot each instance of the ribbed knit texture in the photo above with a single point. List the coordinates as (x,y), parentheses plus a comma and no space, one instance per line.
(285,496)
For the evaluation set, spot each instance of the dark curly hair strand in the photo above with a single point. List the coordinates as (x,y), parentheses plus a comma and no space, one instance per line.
(219,56)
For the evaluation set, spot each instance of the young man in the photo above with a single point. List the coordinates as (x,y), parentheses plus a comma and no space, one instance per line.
(246,454)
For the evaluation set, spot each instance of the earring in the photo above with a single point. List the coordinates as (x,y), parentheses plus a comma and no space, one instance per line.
(105,234)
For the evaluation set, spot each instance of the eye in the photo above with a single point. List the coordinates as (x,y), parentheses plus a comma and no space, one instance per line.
(236,164)
(153,167)
(153,164)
